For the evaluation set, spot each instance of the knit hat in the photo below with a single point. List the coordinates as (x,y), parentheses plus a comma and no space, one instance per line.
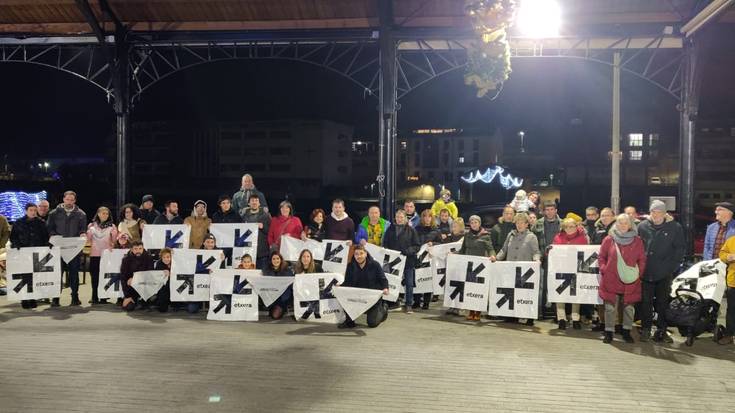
(573,216)
(200,202)
(727,205)
(657,205)
(475,218)
(147,198)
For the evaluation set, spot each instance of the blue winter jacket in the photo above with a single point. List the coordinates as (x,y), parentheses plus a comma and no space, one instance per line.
(709,239)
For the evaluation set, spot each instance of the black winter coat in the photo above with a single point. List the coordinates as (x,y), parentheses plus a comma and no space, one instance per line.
(313,231)
(404,239)
(29,233)
(229,217)
(130,265)
(427,234)
(665,248)
(149,215)
(370,276)
(163,220)
(260,217)
(285,272)
(72,224)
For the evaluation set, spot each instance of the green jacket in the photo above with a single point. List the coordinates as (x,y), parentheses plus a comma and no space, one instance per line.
(478,244)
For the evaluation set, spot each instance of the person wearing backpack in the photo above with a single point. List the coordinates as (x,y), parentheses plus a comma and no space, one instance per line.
(622,262)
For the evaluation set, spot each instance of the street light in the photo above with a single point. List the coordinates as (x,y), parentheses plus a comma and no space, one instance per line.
(539,18)
(521,134)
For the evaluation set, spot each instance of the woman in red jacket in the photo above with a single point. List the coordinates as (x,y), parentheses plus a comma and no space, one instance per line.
(623,241)
(284,224)
(570,234)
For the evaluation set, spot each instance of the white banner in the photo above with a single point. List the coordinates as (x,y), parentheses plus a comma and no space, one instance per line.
(355,301)
(269,288)
(468,280)
(109,286)
(424,276)
(393,262)
(706,277)
(156,237)
(70,246)
(242,238)
(33,273)
(332,254)
(148,283)
(514,289)
(439,264)
(313,299)
(573,274)
(190,270)
(232,297)
(395,284)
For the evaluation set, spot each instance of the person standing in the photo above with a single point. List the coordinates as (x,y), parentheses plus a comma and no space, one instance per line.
(477,241)
(504,226)
(445,201)
(163,298)
(284,224)
(633,214)
(571,234)
(720,231)
(101,234)
(364,272)
(551,222)
(4,231)
(225,214)
(537,227)
(428,235)
(401,237)
(29,231)
(43,209)
(664,242)
(603,225)
(444,223)
(170,215)
(339,225)
(68,220)
(147,212)
(592,214)
(255,214)
(622,260)
(199,223)
(130,222)
(411,215)
(727,255)
(137,259)
(315,229)
(372,228)
(241,198)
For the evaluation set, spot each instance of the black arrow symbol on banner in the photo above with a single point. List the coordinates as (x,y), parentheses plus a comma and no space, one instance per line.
(225,301)
(239,287)
(471,274)
(331,254)
(421,258)
(312,307)
(585,265)
(40,265)
(443,273)
(458,290)
(173,242)
(326,292)
(508,297)
(388,264)
(203,267)
(114,279)
(570,281)
(240,240)
(522,280)
(26,280)
(188,281)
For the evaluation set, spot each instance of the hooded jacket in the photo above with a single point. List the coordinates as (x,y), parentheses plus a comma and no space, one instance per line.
(29,233)
(370,276)
(259,217)
(199,229)
(71,223)
(520,246)
(664,248)
(478,244)
(450,206)
(711,235)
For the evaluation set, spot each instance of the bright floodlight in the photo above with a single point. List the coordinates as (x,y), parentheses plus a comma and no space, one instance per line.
(539,18)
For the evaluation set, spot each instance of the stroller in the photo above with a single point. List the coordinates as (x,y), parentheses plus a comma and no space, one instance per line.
(693,315)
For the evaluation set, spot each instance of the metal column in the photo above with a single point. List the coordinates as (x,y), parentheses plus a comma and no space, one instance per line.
(121,83)
(615,154)
(387,121)
(688,109)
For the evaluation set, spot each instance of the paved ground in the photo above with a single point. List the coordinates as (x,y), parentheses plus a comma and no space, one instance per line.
(98,359)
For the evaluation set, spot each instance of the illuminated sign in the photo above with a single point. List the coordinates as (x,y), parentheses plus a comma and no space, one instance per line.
(13,204)
(507,181)
(435,131)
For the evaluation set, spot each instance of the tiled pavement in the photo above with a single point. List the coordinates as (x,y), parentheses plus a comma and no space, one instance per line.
(101,360)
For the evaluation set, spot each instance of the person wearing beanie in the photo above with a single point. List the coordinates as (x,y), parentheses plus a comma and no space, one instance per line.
(445,201)
(665,247)
(147,212)
(199,223)
(477,241)
(571,234)
(719,231)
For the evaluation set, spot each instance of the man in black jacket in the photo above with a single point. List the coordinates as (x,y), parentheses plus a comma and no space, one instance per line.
(364,272)
(255,214)
(147,212)
(137,259)
(29,231)
(68,220)
(170,216)
(664,241)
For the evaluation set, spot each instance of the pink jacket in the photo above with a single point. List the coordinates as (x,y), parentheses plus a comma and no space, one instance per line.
(101,238)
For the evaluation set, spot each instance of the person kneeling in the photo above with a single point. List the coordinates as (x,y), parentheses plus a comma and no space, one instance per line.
(137,259)
(364,272)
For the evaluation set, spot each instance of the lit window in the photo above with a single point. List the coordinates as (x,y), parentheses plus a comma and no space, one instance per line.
(653,139)
(404,145)
(635,139)
(461,159)
(635,155)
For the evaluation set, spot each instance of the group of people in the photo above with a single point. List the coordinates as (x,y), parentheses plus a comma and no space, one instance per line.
(638,258)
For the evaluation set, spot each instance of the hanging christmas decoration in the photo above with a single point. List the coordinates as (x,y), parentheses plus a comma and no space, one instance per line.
(488,57)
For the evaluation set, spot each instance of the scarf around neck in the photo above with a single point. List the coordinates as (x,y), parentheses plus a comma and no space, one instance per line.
(623,239)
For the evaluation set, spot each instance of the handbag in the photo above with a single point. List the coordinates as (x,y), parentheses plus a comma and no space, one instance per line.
(627,274)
